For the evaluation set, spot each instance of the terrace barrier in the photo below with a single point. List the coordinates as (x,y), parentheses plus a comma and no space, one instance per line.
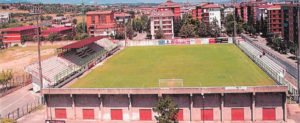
(278,79)
(289,68)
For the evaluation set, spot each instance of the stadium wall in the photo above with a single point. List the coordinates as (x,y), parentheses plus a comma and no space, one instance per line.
(192,41)
(221,104)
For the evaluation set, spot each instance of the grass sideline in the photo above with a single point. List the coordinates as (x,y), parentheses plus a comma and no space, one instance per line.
(197,65)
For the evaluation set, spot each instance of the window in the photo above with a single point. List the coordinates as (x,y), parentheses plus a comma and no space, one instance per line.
(207,114)
(237,114)
(145,114)
(60,113)
(116,114)
(88,113)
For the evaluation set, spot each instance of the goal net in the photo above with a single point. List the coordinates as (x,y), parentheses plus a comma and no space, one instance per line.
(166,83)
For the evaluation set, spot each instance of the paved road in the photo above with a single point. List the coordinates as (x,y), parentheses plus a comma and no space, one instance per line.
(17,99)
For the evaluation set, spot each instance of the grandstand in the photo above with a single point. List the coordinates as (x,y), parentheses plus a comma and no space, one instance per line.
(72,60)
(266,60)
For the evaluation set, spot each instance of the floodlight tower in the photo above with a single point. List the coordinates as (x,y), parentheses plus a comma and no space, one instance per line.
(234,20)
(298,54)
(37,13)
(83,16)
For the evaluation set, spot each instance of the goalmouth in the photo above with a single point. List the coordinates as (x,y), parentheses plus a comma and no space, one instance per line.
(167,83)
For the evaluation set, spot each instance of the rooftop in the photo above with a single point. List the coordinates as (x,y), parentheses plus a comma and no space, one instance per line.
(18,29)
(168,4)
(162,14)
(122,14)
(98,12)
(210,5)
(82,43)
(56,29)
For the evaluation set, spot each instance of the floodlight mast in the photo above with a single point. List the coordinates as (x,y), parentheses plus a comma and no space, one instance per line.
(36,11)
(298,54)
(234,21)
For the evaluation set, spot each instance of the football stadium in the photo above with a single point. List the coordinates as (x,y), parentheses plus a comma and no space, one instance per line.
(176,66)
(100,80)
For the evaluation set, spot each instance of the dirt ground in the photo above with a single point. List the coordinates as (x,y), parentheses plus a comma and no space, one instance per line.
(16,58)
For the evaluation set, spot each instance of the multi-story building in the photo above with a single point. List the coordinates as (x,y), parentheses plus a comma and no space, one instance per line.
(274,19)
(289,22)
(162,20)
(208,12)
(16,34)
(249,10)
(61,21)
(100,23)
(170,6)
(4,17)
(122,17)
(271,14)
(243,11)
(61,31)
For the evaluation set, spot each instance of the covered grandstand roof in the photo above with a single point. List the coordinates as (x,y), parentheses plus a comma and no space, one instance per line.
(83,42)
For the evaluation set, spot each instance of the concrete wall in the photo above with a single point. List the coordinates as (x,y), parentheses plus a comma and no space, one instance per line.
(191,104)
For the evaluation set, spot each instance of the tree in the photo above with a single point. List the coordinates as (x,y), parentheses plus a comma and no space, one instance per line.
(81,28)
(120,35)
(54,37)
(68,37)
(129,31)
(187,31)
(59,14)
(74,21)
(5,76)
(137,25)
(202,30)
(132,13)
(159,34)
(145,22)
(80,36)
(48,17)
(42,18)
(215,28)
(166,110)
(177,26)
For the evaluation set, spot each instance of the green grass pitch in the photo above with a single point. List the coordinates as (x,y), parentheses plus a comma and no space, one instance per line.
(197,65)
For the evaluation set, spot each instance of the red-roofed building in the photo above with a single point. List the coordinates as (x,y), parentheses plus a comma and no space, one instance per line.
(162,20)
(122,17)
(207,12)
(15,35)
(61,31)
(100,23)
(170,6)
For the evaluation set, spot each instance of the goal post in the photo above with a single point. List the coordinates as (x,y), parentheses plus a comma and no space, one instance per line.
(166,83)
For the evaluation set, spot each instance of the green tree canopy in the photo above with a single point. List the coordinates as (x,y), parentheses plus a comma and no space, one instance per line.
(187,31)
(159,34)
(166,110)
(5,76)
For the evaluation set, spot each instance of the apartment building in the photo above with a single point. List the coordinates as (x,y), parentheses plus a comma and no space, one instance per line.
(100,23)
(207,12)
(162,20)
(289,22)
(170,6)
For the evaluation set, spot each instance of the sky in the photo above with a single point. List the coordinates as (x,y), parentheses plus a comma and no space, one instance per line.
(105,1)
